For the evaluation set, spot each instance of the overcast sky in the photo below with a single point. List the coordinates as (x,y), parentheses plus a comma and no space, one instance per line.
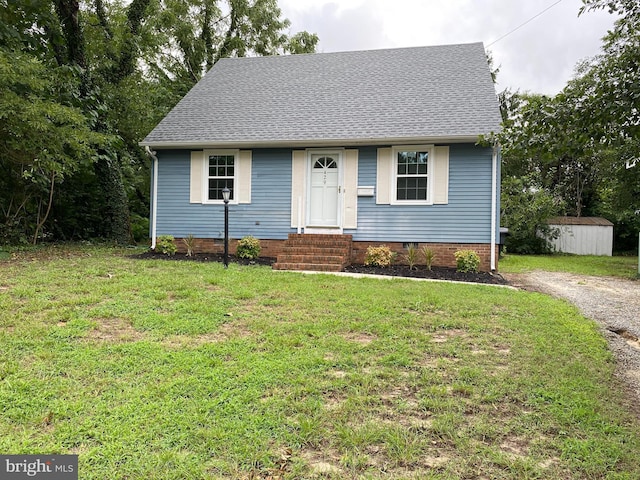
(539,57)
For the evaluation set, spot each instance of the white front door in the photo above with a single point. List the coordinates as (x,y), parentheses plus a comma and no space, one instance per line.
(324,193)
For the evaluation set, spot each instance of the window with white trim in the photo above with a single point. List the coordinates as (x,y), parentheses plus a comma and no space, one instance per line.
(412,174)
(221,172)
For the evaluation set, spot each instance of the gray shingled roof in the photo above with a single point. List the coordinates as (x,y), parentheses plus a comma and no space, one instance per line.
(348,97)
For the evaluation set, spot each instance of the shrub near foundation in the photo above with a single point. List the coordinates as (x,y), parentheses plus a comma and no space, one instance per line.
(167,245)
(411,256)
(429,256)
(189,242)
(381,256)
(467,261)
(248,247)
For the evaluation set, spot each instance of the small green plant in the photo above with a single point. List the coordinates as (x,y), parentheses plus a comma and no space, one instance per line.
(429,256)
(381,256)
(411,257)
(189,242)
(248,247)
(467,261)
(166,244)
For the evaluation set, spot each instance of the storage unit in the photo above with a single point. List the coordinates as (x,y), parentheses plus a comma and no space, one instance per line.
(582,235)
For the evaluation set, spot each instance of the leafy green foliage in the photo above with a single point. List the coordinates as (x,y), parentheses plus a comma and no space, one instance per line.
(45,141)
(166,244)
(248,247)
(84,82)
(525,210)
(380,256)
(467,261)
(576,147)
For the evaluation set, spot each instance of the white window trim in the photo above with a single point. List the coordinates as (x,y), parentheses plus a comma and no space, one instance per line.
(205,175)
(393,178)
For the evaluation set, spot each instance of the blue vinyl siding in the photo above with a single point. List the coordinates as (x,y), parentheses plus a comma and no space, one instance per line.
(465,219)
(267,216)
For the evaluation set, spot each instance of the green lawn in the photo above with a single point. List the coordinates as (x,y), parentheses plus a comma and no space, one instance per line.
(177,370)
(581,264)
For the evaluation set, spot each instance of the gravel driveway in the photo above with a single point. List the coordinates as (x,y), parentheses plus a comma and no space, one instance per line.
(612,302)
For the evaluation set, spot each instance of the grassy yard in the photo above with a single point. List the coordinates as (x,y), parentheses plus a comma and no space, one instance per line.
(626,267)
(152,369)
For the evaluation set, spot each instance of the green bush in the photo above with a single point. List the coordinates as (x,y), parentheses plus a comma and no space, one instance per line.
(467,261)
(248,247)
(429,256)
(525,212)
(166,244)
(140,228)
(381,256)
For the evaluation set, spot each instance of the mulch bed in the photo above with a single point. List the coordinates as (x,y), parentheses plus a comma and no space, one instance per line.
(437,273)
(205,257)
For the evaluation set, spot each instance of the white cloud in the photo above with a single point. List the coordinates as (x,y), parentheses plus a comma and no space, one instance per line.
(540,56)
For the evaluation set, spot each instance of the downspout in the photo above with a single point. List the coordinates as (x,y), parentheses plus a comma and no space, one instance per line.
(494,207)
(154,195)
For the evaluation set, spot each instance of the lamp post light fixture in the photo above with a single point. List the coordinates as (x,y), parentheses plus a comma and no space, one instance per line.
(226,193)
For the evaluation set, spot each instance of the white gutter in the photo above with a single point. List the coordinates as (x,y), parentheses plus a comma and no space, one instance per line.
(494,207)
(154,195)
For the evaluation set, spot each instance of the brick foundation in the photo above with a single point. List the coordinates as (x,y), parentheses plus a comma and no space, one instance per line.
(444,252)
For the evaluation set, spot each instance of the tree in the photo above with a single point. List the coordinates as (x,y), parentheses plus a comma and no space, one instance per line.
(43,142)
(574,147)
(611,109)
(114,69)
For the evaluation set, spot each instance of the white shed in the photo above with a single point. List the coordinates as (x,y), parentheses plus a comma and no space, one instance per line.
(582,235)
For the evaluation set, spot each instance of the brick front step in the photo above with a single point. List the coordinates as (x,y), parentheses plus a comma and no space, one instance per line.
(317,251)
(312,267)
(323,253)
(319,259)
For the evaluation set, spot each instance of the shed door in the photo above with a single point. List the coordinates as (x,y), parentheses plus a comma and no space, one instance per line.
(324,200)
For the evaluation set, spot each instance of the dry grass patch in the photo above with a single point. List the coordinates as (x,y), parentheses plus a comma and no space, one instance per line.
(232,330)
(114,330)
(359,337)
(443,336)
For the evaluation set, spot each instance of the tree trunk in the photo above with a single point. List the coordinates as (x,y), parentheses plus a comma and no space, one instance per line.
(41,221)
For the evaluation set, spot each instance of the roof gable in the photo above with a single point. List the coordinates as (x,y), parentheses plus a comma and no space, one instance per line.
(348,97)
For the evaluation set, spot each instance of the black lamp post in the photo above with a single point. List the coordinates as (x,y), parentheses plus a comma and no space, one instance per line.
(226,193)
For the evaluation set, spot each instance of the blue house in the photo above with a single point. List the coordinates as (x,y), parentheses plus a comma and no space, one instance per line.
(337,151)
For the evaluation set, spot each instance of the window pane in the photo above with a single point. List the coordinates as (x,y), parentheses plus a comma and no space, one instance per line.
(217,185)
(221,166)
(408,188)
(412,169)
(401,188)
